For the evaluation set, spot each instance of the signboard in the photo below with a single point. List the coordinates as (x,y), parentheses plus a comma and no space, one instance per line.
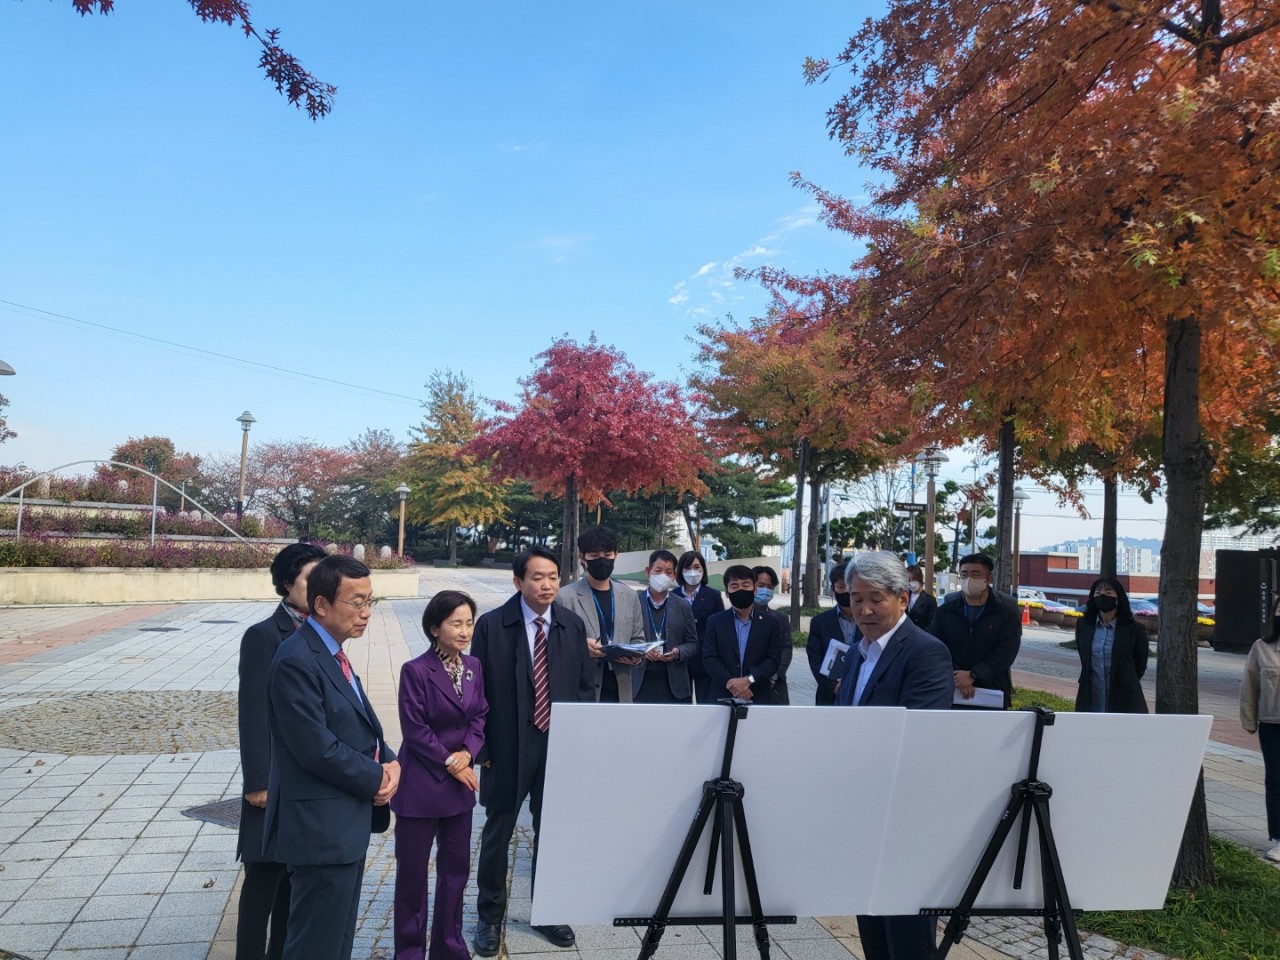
(909,507)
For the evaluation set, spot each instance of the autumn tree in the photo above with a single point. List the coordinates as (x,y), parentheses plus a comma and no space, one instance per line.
(362,508)
(451,486)
(5,432)
(738,496)
(1073,190)
(295,481)
(282,68)
(589,423)
(158,455)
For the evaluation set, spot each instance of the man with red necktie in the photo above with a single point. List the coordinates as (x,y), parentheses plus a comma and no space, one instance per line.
(331,769)
(534,653)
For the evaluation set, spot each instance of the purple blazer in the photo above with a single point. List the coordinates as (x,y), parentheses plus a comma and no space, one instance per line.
(435,724)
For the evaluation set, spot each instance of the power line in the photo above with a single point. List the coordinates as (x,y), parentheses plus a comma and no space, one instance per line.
(39,314)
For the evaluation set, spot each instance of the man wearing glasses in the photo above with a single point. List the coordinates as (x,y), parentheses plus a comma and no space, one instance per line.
(332,774)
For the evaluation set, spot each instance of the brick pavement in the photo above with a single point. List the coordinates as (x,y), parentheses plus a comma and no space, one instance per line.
(98,861)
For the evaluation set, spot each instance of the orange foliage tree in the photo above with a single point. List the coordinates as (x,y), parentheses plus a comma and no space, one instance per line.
(589,422)
(1075,190)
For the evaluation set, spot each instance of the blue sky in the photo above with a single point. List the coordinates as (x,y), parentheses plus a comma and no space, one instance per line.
(492,176)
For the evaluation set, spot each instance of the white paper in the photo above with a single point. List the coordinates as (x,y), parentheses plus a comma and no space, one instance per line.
(834,649)
(982,697)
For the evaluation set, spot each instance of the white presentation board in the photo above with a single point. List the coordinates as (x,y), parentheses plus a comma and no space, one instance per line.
(856,810)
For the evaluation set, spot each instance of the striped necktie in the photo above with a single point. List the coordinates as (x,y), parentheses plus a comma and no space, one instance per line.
(541,692)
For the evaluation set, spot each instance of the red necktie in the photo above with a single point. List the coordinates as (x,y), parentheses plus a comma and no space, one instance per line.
(345,664)
(541,693)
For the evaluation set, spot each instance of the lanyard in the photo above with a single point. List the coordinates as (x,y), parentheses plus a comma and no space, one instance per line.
(605,627)
(658,631)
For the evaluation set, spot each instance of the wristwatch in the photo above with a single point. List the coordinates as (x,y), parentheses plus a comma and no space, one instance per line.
(751,679)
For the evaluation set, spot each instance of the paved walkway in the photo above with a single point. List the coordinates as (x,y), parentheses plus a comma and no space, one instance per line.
(114,720)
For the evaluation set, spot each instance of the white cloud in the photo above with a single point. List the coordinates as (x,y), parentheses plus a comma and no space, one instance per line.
(713,285)
(520,147)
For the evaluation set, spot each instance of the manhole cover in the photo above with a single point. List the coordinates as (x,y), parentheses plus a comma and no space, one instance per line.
(225,813)
(159,629)
(131,721)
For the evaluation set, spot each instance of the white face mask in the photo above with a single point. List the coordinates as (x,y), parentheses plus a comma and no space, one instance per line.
(660,582)
(973,586)
(693,577)
(914,586)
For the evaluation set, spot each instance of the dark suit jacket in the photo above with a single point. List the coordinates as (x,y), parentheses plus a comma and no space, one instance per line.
(501,645)
(988,646)
(823,628)
(913,671)
(257,649)
(763,655)
(435,724)
(704,603)
(1129,654)
(680,634)
(923,612)
(323,772)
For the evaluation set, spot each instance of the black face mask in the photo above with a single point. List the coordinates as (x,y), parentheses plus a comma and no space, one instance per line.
(843,599)
(742,598)
(1104,603)
(600,568)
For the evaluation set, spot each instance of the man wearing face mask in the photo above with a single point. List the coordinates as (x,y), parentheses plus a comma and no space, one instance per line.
(766,584)
(610,609)
(663,676)
(982,629)
(743,646)
(834,624)
(922,606)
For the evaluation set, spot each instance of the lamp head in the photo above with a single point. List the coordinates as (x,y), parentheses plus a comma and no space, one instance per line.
(246,421)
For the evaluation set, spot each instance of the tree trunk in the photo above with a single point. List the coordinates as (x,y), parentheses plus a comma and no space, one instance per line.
(811,565)
(453,546)
(1004,506)
(568,535)
(693,526)
(1186,464)
(1109,545)
(802,467)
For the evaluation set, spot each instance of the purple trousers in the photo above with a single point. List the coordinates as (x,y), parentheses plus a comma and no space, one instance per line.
(414,836)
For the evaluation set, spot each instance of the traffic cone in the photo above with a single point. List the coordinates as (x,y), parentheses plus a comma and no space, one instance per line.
(1026,615)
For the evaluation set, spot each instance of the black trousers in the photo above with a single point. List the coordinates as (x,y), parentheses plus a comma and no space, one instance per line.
(500,825)
(1269,742)
(323,910)
(898,938)
(264,899)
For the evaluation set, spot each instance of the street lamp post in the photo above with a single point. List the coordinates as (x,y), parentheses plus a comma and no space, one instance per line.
(246,421)
(6,370)
(932,460)
(403,490)
(1020,496)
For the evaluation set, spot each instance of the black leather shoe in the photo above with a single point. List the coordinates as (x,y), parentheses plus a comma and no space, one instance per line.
(558,934)
(488,937)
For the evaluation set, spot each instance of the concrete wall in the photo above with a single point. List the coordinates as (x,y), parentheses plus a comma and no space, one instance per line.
(48,585)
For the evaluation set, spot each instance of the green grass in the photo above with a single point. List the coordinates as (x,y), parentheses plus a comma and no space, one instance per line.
(1238,918)
(1038,698)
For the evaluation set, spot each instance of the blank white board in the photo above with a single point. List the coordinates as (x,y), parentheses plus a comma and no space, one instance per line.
(856,810)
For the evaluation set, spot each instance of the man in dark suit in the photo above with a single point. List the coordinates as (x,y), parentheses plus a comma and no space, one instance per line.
(330,766)
(923,606)
(896,664)
(264,894)
(534,653)
(663,677)
(834,624)
(766,586)
(982,629)
(743,646)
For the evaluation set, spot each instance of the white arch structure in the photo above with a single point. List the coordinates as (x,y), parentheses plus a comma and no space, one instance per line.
(21,488)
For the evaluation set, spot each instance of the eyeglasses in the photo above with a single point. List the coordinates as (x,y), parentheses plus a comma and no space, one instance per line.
(363,604)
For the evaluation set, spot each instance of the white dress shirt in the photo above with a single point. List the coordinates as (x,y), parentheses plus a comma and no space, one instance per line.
(531,628)
(871,650)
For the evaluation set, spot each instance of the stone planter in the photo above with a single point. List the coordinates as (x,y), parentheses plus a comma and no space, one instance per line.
(1149,623)
(1204,632)
(1037,613)
(1051,618)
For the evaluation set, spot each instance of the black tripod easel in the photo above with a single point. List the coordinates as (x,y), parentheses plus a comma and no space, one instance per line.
(1030,796)
(724,796)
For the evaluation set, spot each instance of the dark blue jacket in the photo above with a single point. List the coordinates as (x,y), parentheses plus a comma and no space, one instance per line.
(914,671)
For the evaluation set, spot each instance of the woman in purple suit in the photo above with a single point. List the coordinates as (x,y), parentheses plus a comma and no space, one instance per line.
(442,711)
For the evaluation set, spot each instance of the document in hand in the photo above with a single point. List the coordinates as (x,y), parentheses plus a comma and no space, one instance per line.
(833,662)
(615,651)
(982,697)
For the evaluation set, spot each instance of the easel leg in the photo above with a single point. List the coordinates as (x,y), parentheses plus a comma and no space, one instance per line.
(959,920)
(749,875)
(728,884)
(1058,890)
(658,926)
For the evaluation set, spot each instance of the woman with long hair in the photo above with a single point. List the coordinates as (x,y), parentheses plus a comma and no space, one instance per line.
(1113,652)
(1260,713)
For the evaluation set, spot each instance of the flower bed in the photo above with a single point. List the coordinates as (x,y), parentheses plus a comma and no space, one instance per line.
(164,554)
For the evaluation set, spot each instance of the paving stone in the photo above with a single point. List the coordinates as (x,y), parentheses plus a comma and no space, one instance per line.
(119,906)
(101,933)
